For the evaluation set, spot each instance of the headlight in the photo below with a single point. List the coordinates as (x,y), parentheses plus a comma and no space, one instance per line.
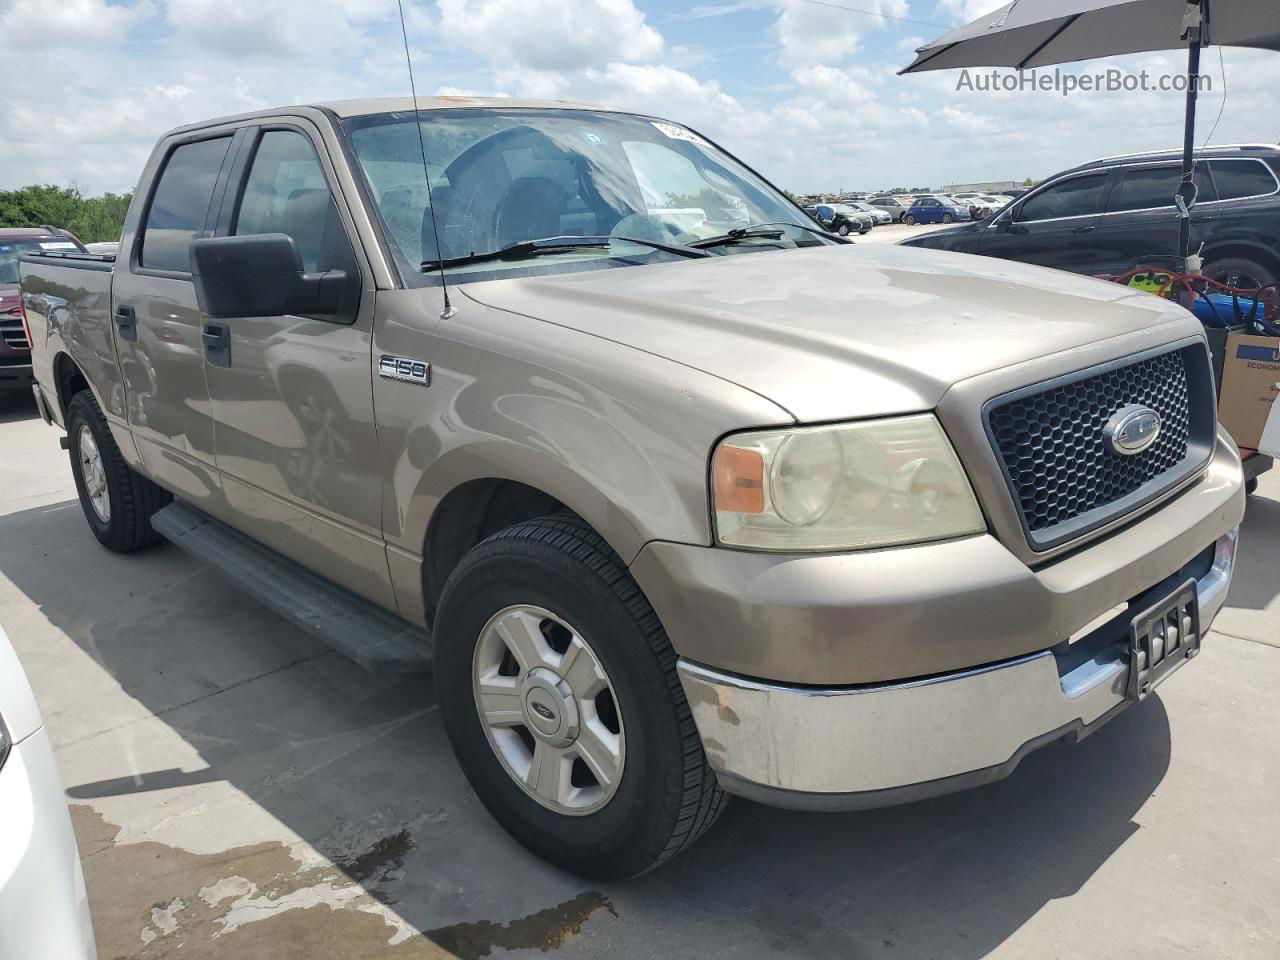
(843,487)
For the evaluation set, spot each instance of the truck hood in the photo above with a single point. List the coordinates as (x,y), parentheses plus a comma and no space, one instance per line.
(838,332)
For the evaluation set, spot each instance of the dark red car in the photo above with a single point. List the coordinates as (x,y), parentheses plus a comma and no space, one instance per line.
(15,351)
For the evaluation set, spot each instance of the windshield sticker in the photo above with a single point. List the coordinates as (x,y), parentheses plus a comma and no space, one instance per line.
(671,131)
(58,245)
(593,138)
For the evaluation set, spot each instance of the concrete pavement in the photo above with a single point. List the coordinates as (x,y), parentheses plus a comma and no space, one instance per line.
(240,791)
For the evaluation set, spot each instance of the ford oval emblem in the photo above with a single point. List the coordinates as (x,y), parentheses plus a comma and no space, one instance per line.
(1132,429)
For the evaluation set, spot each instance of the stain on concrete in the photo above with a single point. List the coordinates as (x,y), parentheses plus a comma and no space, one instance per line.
(545,930)
(151,901)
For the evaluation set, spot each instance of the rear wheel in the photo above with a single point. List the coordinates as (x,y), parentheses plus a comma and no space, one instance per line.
(843,230)
(1240,272)
(559,692)
(117,502)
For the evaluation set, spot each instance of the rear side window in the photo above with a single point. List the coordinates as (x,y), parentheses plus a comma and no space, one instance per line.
(180,204)
(1153,188)
(286,192)
(1238,179)
(1077,197)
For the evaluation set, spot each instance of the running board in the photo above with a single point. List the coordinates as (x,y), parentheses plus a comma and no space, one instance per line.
(376,639)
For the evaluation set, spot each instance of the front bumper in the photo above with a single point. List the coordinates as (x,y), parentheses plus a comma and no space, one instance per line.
(43,908)
(859,747)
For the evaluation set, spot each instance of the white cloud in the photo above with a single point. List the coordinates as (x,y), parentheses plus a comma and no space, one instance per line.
(966,11)
(548,35)
(35,24)
(246,28)
(810,33)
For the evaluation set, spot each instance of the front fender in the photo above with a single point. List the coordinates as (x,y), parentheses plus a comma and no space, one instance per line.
(621,437)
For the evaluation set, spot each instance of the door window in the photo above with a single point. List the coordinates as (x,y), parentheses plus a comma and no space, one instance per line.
(1153,188)
(286,192)
(1238,179)
(180,204)
(1077,197)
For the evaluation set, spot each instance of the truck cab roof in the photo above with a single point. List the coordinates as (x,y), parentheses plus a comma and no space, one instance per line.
(369,106)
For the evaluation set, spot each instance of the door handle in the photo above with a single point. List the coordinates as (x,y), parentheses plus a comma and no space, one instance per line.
(126,322)
(216,338)
(1083,230)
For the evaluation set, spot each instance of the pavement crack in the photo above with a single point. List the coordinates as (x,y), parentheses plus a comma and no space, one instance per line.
(194,700)
(1261,643)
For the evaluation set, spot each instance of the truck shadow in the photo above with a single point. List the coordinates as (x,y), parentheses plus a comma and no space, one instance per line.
(332,752)
(17,405)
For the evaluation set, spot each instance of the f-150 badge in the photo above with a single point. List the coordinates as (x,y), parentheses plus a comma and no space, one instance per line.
(405,368)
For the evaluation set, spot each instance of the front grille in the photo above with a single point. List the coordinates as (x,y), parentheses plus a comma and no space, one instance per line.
(1050,439)
(11,333)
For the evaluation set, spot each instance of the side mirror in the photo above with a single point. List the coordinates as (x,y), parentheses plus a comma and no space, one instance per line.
(261,275)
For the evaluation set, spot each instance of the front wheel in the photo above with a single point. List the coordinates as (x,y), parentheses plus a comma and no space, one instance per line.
(948,218)
(117,502)
(843,230)
(909,220)
(559,692)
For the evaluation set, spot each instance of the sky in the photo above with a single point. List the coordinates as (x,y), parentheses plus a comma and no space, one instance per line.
(805,91)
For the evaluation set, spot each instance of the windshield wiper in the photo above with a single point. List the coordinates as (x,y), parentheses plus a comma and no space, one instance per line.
(755,232)
(544,246)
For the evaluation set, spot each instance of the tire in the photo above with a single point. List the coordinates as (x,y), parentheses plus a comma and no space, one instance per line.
(1238,271)
(909,220)
(666,795)
(948,218)
(843,230)
(1251,487)
(121,516)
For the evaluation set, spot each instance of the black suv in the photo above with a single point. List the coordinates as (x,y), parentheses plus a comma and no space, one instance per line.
(1105,216)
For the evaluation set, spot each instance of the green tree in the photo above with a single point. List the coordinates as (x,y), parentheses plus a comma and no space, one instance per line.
(89,218)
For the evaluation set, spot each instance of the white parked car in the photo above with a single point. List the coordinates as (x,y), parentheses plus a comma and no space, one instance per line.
(44,913)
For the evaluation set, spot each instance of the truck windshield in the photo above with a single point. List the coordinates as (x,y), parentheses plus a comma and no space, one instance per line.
(12,249)
(505,177)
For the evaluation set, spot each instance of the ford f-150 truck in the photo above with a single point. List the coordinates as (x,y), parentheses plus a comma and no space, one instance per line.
(678,495)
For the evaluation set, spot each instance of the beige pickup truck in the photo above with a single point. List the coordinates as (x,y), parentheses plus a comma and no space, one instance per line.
(678,495)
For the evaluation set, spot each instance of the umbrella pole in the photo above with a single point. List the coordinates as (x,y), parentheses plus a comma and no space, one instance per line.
(1197,20)
(1187,191)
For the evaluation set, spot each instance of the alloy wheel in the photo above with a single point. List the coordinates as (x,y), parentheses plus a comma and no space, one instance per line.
(548,710)
(95,476)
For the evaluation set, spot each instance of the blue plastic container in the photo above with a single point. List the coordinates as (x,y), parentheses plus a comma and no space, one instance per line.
(1224,310)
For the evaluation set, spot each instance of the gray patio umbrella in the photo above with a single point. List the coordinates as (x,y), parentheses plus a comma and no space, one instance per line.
(1037,33)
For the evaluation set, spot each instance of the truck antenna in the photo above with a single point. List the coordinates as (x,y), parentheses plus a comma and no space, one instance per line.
(449,309)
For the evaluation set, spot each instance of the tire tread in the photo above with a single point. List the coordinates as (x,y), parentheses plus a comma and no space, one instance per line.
(138,498)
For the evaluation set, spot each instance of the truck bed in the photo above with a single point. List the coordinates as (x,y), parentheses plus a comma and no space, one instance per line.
(68,306)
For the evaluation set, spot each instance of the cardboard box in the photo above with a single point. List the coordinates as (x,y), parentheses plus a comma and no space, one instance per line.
(1250,382)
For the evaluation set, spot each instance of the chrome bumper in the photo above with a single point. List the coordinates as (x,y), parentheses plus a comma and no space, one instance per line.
(880,744)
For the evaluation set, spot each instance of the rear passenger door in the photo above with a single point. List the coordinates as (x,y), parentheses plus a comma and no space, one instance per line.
(292,396)
(158,322)
(1142,219)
